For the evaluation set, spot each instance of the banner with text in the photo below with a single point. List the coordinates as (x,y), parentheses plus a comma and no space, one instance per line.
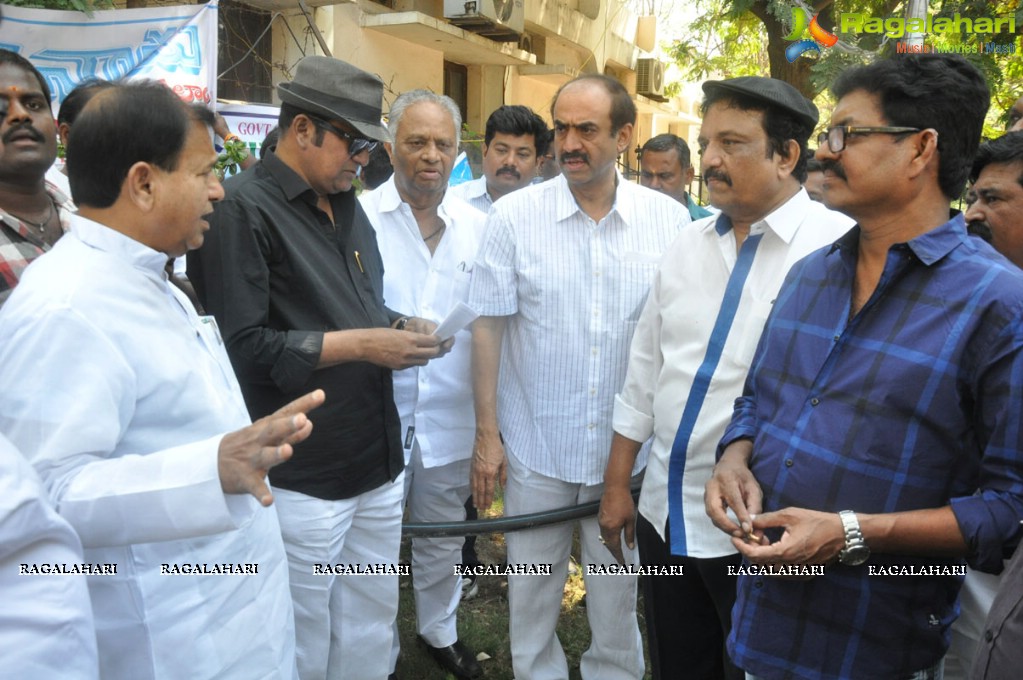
(176,45)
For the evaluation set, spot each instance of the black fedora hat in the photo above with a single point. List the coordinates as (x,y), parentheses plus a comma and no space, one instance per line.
(334,89)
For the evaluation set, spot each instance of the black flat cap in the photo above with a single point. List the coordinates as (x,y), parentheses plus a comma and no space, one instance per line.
(773,92)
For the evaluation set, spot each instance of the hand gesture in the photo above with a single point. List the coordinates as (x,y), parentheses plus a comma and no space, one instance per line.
(245,456)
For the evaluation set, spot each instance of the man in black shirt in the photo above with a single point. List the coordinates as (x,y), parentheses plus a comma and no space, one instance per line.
(292,273)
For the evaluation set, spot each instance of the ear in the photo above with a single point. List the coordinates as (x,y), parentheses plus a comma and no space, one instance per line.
(925,152)
(303,130)
(689,173)
(389,148)
(141,185)
(787,162)
(623,137)
(63,132)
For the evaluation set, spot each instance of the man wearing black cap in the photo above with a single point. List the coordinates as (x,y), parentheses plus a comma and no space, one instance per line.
(878,435)
(689,358)
(292,273)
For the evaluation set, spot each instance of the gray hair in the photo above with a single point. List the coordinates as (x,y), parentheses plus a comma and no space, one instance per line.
(407,99)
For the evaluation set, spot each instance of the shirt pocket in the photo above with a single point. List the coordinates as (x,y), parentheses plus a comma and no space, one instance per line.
(747,331)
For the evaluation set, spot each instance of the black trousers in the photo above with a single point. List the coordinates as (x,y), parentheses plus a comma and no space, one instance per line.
(687,617)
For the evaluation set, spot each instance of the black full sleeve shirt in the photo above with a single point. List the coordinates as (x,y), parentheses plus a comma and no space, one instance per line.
(277,275)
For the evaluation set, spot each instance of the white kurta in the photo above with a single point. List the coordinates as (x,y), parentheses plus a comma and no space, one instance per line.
(436,399)
(119,395)
(671,342)
(46,621)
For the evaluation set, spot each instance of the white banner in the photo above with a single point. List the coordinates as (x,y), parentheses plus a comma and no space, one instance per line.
(175,45)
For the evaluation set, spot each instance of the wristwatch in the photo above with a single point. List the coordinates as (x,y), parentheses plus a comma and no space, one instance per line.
(856,551)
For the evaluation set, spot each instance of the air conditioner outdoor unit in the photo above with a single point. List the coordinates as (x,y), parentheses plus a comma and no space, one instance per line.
(650,78)
(500,20)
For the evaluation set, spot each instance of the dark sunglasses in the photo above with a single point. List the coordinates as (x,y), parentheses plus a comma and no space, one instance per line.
(356,145)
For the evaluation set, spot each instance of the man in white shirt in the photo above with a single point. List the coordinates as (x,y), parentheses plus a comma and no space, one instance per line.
(690,355)
(125,402)
(514,141)
(563,270)
(428,241)
(46,628)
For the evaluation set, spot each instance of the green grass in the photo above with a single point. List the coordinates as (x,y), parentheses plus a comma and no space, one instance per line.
(483,620)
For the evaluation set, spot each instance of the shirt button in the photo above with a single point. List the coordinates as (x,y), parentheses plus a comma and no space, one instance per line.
(988,635)
(758,584)
(837,337)
(591,425)
(815,401)
(788,462)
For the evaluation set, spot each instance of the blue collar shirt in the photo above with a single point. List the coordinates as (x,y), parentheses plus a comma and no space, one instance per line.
(915,402)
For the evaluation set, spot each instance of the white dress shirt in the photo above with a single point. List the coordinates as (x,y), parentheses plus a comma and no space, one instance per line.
(46,626)
(573,290)
(119,395)
(473,192)
(671,341)
(434,401)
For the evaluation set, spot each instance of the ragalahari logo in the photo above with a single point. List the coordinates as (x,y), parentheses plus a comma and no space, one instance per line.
(819,37)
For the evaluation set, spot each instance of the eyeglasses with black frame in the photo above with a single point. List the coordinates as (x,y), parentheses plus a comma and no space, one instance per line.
(356,145)
(836,135)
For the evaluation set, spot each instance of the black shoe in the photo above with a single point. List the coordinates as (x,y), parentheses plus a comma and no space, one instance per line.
(392,676)
(456,659)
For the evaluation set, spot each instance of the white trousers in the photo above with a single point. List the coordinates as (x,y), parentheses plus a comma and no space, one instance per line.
(435,494)
(616,649)
(342,622)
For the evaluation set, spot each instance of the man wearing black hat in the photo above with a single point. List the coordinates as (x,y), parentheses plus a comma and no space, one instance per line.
(689,358)
(878,438)
(292,272)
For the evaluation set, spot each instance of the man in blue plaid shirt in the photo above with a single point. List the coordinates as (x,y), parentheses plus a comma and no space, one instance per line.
(887,389)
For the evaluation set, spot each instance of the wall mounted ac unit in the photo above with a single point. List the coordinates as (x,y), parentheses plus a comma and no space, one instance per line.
(650,78)
(500,20)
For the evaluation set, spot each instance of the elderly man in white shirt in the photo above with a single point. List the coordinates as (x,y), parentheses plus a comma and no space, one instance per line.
(428,240)
(514,141)
(46,628)
(690,355)
(125,402)
(563,270)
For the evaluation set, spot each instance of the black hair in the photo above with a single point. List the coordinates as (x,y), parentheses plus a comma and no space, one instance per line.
(138,121)
(269,142)
(939,91)
(814,165)
(15,59)
(517,120)
(623,109)
(288,114)
(77,98)
(667,142)
(379,168)
(1006,149)
(779,125)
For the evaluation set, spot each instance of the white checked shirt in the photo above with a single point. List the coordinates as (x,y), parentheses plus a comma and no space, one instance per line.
(473,192)
(436,399)
(671,341)
(573,290)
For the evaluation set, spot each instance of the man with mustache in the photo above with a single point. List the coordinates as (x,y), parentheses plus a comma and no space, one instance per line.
(665,166)
(562,273)
(514,142)
(125,403)
(689,358)
(428,240)
(884,393)
(33,212)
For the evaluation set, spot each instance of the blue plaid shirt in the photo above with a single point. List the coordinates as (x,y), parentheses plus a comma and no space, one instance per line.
(914,403)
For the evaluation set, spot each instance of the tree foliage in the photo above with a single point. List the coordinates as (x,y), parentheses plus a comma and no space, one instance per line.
(85,6)
(733,38)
